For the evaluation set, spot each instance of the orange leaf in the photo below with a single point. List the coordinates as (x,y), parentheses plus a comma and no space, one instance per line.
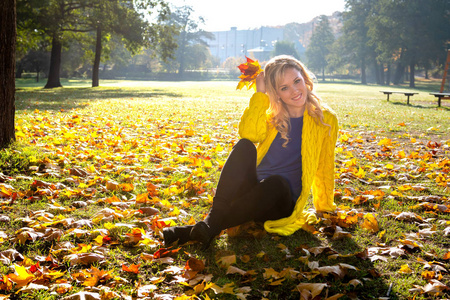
(131,269)
(250,70)
(446,256)
(164,252)
(126,187)
(195,264)
(151,189)
(21,277)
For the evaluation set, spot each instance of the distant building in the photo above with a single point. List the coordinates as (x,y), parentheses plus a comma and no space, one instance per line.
(257,43)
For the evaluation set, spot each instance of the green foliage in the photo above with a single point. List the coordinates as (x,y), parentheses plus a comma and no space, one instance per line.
(320,46)
(286,48)
(59,19)
(385,33)
(192,51)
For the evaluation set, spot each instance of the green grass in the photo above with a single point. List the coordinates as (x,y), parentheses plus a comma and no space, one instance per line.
(177,135)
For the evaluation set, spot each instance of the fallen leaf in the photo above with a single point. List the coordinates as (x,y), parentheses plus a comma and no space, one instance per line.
(370,223)
(131,269)
(313,288)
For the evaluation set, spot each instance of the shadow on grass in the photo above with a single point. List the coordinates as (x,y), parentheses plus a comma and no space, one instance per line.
(420,106)
(283,253)
(71,98)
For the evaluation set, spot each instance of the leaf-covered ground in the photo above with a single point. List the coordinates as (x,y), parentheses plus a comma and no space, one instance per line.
(98,173)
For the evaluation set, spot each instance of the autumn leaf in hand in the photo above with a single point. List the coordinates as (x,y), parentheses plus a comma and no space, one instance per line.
(250,70)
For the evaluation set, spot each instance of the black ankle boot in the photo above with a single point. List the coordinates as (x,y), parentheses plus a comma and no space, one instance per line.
(180,234)
(202,234)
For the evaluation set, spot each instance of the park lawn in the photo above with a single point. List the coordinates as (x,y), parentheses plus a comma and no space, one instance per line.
(97,172)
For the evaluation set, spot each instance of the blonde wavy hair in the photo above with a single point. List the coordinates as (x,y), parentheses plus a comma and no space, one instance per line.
(278,113)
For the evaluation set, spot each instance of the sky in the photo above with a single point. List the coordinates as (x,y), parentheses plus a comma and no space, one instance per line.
(248,14)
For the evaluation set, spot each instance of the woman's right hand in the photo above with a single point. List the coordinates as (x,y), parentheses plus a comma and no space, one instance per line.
(260,84)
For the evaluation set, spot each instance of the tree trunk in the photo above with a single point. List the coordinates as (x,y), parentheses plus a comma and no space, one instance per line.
(399,72)
(377,72)
(7,71)
(19,70)
(412,68)
(98,53)
(182,52)
(55,63)
(388,75)
(363,71)
(381,70)
(323,73)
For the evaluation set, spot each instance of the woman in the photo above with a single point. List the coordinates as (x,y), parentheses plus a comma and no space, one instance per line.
(296,136)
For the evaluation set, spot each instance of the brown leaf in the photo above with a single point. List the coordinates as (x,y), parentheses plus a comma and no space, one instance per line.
(83,296)
(235,270)
(148,211)
(314,289)
(83,258)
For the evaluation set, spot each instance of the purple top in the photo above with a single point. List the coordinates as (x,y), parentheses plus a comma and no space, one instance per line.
(285,161)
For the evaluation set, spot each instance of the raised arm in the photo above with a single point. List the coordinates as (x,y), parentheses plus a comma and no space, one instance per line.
(253,124)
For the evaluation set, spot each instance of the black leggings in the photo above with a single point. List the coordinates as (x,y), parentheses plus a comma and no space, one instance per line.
(240,197)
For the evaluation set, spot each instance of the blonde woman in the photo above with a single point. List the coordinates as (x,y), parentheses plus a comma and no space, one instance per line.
(295,135)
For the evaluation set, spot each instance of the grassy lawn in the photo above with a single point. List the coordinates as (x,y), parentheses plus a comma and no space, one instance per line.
(98,172)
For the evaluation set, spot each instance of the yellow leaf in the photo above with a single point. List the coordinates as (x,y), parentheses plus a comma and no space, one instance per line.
(271,273)
(370,223)
(361,173)
(405,269)
(385,142)
(389,166)
(112,186)
(277,282)
(109,225)
(226,261)
(428,275)
(381,234)
(401,154)
(21,277)
(99,240)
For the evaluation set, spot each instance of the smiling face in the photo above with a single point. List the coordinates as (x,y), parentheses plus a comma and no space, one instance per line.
(291,89)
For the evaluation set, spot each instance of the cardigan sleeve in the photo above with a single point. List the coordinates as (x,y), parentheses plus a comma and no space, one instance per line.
(253,124)
(323,182)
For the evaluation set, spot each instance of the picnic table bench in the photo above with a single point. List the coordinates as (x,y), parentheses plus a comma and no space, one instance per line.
(408,94)
(441,96)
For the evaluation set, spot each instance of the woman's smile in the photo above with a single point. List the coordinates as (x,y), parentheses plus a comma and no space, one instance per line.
(293,92)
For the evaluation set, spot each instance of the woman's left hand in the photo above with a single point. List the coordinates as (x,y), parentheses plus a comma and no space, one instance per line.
(260,84)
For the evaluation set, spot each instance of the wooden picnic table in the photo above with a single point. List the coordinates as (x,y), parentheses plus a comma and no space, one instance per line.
(441,96)
(408,94)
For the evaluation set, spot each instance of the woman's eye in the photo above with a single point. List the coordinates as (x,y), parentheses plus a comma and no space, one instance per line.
(284,89)
(298,81)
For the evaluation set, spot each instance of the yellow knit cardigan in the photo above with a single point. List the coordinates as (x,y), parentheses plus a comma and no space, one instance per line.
(318,144)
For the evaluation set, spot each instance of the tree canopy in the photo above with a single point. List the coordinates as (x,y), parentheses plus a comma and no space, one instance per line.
(320,46)
(57,19)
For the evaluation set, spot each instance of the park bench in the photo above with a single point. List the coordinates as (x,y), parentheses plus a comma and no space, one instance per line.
(408,94)
(441,96)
